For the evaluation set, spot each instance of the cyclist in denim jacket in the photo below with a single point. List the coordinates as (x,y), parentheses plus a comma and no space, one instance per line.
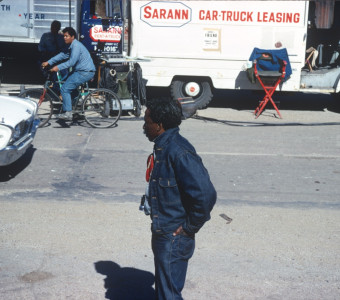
(79,59)
(181,196)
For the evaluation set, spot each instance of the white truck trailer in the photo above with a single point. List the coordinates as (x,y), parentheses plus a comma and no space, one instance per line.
(195,47)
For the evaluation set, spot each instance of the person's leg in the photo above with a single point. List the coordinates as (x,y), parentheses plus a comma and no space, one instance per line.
(171,255)
(62,76)
(71,83)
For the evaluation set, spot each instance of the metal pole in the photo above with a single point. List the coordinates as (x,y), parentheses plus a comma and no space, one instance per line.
(69,13)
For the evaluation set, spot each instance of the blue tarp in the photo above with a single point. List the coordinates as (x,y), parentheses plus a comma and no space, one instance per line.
(274,64)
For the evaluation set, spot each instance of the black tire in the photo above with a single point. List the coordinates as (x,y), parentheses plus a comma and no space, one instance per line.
(45,109)
(200,101)
(102,108)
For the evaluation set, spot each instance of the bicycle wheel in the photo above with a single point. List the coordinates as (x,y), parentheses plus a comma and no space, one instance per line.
(102,108)
(45,108)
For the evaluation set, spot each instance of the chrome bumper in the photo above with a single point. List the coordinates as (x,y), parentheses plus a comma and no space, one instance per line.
(11,153)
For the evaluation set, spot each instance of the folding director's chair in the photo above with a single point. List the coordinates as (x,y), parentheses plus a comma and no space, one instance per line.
(271,67)
(269,80)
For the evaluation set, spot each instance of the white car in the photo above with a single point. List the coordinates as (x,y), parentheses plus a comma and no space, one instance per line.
(18,125)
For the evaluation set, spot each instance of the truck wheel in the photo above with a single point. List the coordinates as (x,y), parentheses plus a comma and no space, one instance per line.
(199,91)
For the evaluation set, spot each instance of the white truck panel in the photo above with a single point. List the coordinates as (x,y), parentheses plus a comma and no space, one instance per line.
(26,21)
(215,38)
(12,17)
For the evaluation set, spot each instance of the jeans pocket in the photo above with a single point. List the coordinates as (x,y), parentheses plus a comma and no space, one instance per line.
(186,246)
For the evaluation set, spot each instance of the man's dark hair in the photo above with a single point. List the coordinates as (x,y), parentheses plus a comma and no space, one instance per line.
(70,31)
(55,26)
(165,111)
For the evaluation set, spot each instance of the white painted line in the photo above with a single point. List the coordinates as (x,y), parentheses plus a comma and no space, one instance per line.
(270,154)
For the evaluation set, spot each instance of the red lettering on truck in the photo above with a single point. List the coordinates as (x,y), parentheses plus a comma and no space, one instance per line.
(247,16)
(163,14)
(278,17)
(229,15)
(99,29)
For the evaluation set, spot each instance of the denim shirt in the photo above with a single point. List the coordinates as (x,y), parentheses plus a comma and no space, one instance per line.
(51,43)
(180,189)
(78,57)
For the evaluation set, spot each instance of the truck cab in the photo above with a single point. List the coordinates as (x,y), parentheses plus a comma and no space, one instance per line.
(102,26)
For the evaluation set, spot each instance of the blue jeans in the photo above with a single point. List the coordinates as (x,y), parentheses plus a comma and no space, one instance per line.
(71,84)
(171,255)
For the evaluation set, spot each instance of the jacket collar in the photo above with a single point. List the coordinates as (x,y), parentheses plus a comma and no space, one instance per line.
(165,137)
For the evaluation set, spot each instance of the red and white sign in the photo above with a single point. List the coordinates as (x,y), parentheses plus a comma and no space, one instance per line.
(177,14)
(230,16)
(165,14)
(112,34)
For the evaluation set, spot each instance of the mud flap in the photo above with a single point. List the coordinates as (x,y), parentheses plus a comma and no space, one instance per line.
(189,107)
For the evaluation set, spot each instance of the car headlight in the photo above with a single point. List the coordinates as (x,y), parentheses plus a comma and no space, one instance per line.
(17,132)
(5,136)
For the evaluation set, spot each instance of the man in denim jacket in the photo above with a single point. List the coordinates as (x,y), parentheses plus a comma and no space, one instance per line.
(79,59)
(181,196)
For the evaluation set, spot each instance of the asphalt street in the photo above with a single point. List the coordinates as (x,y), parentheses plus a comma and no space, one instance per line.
(70,227)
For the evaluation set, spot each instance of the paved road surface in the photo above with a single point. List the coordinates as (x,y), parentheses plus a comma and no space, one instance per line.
(70,226)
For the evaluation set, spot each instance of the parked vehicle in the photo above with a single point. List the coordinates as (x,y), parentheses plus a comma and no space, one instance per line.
(99,25)
(18,126)
(195,47)
(94,20)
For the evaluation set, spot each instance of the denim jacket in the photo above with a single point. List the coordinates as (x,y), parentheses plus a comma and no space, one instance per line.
(180,190)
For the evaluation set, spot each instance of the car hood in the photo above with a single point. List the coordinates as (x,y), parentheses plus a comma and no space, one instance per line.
(14,109)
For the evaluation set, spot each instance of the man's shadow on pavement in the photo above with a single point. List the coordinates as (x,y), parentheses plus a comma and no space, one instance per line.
(126,283)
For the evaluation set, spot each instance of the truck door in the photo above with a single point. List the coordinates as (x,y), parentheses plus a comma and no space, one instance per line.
(102,26)
(16,19)
(26,21)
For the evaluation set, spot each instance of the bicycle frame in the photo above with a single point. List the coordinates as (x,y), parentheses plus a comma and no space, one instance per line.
(99,107)
(82,92)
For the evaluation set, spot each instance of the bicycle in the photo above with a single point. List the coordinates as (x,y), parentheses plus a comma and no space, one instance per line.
(100,107)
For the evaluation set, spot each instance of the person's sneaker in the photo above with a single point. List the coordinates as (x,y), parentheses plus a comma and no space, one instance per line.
(65,116)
